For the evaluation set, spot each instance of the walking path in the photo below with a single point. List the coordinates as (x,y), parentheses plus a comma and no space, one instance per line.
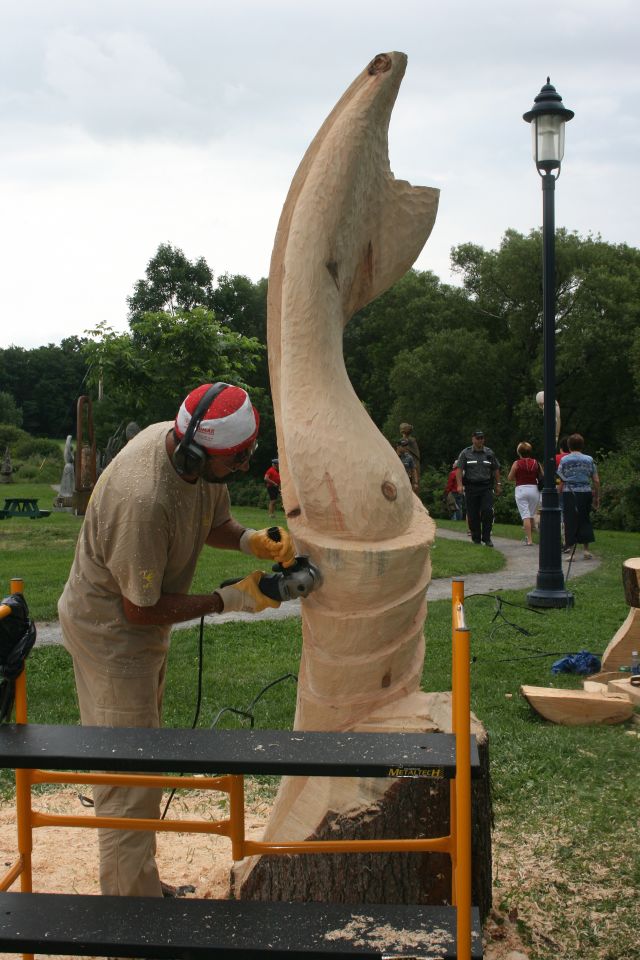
(518,573)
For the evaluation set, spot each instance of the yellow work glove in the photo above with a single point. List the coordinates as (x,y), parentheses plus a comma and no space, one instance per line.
(245,596)
(261,545)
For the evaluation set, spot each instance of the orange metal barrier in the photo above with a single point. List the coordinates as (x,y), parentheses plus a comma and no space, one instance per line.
(457,843)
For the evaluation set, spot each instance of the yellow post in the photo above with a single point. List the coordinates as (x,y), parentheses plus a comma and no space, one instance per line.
(457,601)
(457,614)
(463,793)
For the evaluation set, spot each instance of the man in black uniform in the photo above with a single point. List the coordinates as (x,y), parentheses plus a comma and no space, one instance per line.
(478,470)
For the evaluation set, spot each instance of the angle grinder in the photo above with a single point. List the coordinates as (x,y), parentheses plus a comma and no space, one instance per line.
(296,581)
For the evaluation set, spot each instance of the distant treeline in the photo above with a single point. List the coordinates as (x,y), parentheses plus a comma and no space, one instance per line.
(445,358)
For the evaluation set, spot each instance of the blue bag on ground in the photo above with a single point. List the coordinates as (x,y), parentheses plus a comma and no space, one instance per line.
(583,663)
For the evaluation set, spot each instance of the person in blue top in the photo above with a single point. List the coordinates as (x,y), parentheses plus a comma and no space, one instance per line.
(580,488)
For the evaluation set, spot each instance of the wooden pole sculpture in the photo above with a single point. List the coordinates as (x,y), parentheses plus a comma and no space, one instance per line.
(85,465)
(348,230)
(540,402)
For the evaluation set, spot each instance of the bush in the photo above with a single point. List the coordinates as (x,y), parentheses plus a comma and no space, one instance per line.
(620,494)
(431,491)
(504,506)
(10,434)
(248,492)
(33,447)
(38,469)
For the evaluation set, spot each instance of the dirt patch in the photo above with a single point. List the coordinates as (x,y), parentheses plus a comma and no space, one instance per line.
(65,859)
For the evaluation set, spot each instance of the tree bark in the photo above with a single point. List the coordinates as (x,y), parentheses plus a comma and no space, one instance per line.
(631,581)
(379,809)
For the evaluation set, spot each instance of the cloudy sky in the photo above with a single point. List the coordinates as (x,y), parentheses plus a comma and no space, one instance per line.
(128,123)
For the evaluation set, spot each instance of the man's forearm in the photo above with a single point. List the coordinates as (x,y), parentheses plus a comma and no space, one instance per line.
(173,608)
(226,536)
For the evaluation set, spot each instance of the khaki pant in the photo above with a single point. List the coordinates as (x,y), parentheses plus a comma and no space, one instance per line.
(127,857)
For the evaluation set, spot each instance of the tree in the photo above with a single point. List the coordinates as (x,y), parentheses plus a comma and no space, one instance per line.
(177,287)
(9,411)
(406,316)
(439,382)
(449,359)
(173,284)
(597,313)
(45,383)
(242,304)
(146,372)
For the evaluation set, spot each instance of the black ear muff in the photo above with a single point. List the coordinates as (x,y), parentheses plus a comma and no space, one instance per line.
(189,457)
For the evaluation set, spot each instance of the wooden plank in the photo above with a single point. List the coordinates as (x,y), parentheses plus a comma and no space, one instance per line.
(162,928)
(300,753)
(577,707)
(624,687)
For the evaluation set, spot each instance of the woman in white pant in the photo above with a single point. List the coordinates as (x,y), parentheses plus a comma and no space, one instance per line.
(525,473)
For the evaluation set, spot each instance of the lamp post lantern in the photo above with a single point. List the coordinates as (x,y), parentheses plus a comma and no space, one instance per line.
(547,118)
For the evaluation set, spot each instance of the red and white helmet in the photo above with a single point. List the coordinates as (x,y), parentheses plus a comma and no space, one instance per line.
(229,424)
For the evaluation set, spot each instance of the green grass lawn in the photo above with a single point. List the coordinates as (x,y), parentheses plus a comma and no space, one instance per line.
(567,858)
(41,552)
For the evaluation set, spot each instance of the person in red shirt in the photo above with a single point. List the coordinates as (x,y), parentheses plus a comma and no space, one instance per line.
(525,472)
(272,481)
(453,499)
(564,450)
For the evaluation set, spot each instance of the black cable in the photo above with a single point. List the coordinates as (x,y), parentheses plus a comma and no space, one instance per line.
(247,713)
(238,712)
(533,656)
(509,603)
(535,653)
(198,702)
(499,614)
(566,576)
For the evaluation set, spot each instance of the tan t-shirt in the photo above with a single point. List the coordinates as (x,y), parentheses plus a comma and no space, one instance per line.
(142,535)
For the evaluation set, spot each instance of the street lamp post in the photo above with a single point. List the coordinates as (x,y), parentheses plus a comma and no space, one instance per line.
(547,118)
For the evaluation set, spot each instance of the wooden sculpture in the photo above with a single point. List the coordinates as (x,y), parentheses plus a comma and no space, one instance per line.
(347,231)
(572,708)
(85,460)
(627,638)
(608,696)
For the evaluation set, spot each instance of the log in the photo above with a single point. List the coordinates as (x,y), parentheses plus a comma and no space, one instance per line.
(348,230)
(631,581)
(573,708)
(348,809)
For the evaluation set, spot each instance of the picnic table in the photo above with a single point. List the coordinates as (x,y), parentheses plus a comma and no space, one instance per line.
(22,507)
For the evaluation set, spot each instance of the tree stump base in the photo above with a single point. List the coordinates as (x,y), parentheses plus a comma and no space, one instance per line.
(377,809)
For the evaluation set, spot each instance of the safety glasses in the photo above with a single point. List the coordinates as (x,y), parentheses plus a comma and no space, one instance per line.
(237,459)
